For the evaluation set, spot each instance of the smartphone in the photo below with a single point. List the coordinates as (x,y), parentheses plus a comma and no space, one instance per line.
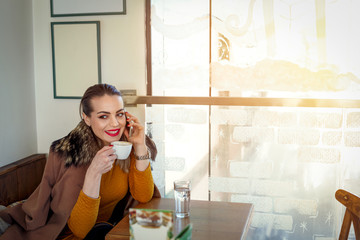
(130,129)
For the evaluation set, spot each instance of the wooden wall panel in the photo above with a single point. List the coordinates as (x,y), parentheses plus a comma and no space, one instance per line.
(8,188)
(19,179)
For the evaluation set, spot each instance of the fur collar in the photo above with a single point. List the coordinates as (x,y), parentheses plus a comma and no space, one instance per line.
(79,147)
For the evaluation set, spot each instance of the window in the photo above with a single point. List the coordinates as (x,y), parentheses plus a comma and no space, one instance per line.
(258,103)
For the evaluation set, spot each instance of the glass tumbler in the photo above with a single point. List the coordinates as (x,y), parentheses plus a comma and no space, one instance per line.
(182,198)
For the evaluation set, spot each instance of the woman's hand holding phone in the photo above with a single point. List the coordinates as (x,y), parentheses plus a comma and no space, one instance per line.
(137,138)
(135,132)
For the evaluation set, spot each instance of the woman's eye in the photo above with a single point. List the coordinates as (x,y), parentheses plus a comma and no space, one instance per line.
(103,117)
(120,114)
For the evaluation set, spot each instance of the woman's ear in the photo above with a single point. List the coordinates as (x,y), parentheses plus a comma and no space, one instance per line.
(86,119)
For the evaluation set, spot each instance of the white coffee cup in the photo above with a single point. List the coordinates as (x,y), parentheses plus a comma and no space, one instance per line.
(122,149)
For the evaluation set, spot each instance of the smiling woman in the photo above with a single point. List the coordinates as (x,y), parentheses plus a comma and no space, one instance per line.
(107,120)
(102,188)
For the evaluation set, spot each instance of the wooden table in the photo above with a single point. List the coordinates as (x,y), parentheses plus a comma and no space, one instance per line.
(211,220)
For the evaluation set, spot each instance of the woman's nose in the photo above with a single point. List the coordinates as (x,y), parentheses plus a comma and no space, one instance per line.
(114,122)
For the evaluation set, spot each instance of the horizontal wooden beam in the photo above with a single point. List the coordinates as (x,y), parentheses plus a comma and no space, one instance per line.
(243,101)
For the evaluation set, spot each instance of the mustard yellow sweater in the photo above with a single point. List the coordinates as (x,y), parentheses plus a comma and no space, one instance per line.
(114,186)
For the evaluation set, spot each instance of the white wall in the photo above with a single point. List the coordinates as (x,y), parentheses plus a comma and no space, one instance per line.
(123,63)
(17,91)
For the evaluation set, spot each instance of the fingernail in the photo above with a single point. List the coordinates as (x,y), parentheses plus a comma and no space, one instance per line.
(128,125)
(111,145)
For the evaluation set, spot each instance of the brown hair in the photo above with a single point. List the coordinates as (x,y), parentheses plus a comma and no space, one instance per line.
(97,90)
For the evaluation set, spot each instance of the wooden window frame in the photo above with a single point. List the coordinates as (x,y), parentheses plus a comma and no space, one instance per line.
(228,101)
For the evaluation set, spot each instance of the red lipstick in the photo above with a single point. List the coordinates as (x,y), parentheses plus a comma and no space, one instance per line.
(113,132)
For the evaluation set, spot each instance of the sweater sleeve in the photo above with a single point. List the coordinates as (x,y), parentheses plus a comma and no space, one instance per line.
(141,183)
(83,215)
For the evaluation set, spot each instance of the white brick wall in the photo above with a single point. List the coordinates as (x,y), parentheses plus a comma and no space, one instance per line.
(251,134)
(158,131)
(230,185)
(261,204)
(273,152)
(299,136)
(155,114)
(320,120)
(186,115)
(353,120)
(272,221)
(352,139)
(321,155)
(229,116)
(248,169)
(174,163)
(176,131)
(302,206)
(273,187)
(332,138)
(266,118)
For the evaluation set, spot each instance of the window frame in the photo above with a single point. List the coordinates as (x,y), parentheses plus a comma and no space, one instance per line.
(225,101)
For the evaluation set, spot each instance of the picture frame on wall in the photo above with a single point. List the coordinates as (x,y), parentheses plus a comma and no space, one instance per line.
(68,8)
(76,57)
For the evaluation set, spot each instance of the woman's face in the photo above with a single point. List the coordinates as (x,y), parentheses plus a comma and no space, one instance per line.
(108,120)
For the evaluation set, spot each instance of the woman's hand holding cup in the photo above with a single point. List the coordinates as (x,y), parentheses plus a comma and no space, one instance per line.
(103,160)
(101,163)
